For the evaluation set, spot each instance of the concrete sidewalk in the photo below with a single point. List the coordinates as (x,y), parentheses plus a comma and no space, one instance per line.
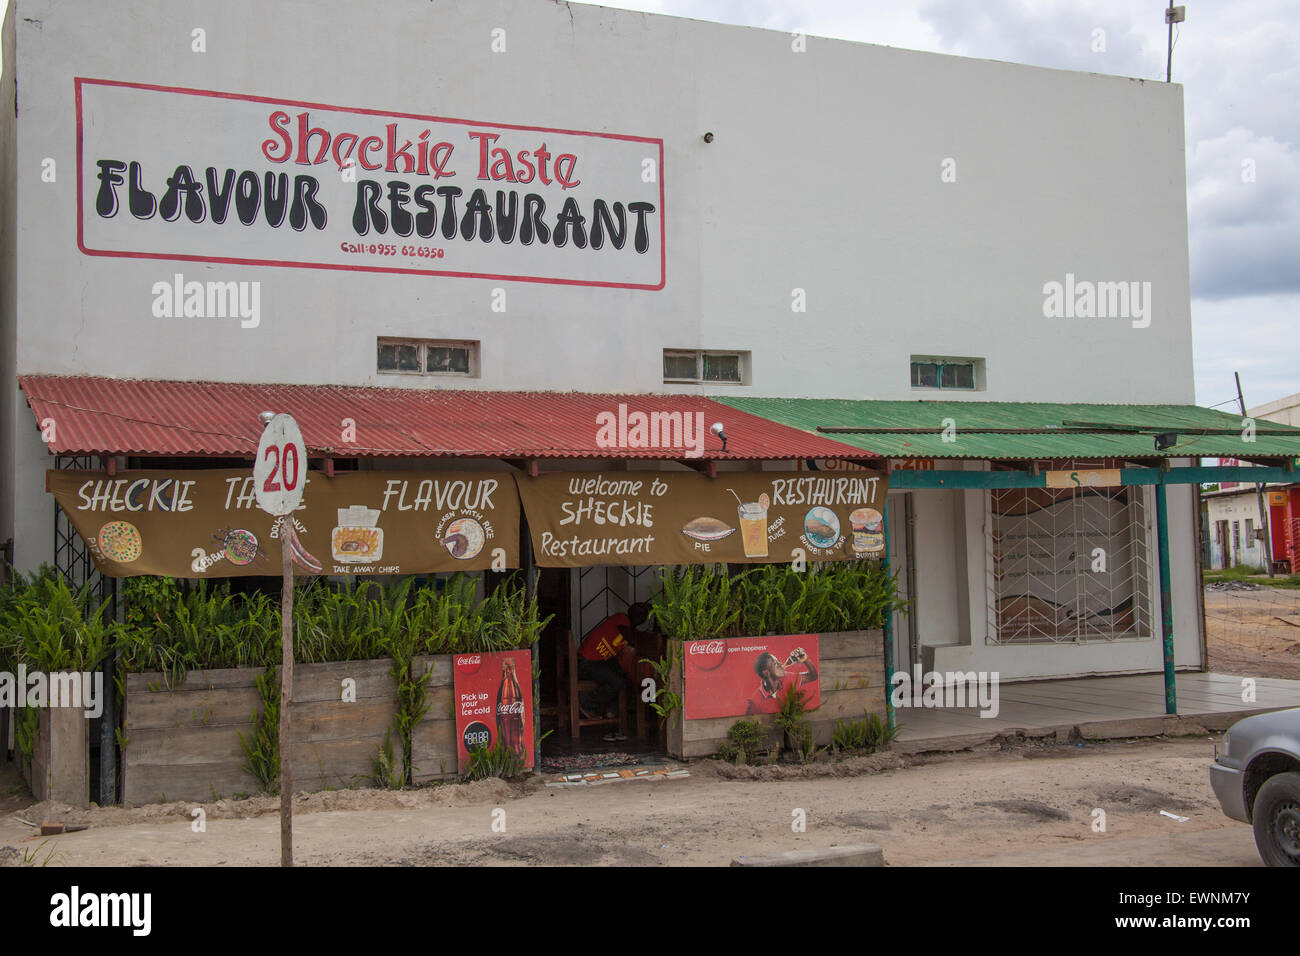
(1097,707)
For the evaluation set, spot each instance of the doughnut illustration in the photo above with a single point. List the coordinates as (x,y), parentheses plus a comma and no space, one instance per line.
(120,541)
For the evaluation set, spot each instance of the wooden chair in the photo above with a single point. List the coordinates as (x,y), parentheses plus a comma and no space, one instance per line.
(571,688)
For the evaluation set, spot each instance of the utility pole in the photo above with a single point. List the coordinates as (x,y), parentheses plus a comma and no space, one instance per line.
(1172,15)
(1265,528)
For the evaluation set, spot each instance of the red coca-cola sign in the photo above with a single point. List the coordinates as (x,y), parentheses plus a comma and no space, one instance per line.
(707,655)
(743,676)
(494,703)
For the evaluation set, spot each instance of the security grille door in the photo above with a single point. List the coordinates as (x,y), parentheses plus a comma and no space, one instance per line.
(1069,565)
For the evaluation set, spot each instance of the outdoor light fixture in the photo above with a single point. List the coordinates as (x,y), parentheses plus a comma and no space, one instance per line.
(265,418)
(708,137)
(716,428)
(1165,439)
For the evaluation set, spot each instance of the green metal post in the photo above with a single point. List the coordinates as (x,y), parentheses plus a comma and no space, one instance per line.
(1166,598)
(888,629)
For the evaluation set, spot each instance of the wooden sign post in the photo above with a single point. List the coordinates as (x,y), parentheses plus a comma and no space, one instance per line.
(279,474)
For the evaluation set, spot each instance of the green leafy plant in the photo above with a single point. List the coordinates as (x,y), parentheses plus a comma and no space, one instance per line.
(387,774)
(694,602)
(499,760)
(31,856)
(412,698)
(868,735)
(700,602)
(790,718)
(746,739)
(667,703)
(25,727)
(262,747)
(47,626)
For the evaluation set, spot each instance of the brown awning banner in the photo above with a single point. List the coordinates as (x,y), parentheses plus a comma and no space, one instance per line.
(206,523)
(629,517)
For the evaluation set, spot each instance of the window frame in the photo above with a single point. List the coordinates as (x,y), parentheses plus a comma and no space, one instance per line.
(471,346)
(742,357)
(940,362)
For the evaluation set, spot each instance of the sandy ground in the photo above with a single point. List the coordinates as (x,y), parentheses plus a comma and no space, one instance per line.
(1027,805)
(1254,633)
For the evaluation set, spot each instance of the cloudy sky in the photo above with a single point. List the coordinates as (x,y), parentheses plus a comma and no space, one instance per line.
(1240,63)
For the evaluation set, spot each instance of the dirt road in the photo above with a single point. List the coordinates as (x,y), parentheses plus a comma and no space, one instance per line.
(1254,633)
(1026,806)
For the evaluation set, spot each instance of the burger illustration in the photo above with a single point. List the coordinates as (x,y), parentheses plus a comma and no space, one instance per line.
(868,532)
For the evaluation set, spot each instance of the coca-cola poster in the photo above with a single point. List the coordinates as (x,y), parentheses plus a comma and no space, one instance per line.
(494,701)
(744,676)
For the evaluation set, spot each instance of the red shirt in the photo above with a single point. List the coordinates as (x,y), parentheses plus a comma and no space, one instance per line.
(605,640)
(764,703)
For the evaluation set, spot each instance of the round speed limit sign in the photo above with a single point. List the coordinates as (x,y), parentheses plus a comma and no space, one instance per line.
(280,471)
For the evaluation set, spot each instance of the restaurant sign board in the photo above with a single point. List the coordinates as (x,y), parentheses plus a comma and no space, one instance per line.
(641,518)
(205,176)
(206,523)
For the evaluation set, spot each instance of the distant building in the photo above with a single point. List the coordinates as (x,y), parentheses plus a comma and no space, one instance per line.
(1233,513)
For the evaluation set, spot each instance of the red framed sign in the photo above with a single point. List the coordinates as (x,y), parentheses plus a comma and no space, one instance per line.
(203,176)
(743,676)
(494,703)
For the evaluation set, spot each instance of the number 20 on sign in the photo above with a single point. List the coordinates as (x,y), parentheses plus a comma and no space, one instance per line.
(280,471)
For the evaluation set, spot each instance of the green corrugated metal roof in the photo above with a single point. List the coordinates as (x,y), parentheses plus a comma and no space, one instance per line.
(1026,430)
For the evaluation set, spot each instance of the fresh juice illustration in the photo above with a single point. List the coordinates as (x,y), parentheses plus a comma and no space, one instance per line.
(753,526)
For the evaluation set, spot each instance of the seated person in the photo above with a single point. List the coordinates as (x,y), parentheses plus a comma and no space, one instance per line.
(607,657)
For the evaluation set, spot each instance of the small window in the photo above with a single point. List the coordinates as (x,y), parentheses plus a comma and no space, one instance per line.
(681,366)
(447,358)
(961,374)
(1236,535)
(428,357)
(925,375)
(1250,532)
(398,358)
(958,376)
(699,366)
(721,368)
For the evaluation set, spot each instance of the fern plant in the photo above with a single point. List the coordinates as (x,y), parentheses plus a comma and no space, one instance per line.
(262,747)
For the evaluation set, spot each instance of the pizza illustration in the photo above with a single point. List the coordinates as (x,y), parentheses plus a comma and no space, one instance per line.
(120,541)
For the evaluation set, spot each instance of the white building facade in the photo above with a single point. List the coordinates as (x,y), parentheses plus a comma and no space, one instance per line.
(715,210)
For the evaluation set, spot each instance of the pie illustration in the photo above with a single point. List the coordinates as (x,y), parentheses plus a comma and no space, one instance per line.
(120,541)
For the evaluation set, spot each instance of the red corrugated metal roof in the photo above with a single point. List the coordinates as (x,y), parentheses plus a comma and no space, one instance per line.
(104,416)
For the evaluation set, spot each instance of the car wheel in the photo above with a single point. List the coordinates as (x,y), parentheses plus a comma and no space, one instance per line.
(1277,820)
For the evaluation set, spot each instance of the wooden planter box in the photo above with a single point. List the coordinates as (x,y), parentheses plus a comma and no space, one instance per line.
(852,668)
(433,741)
(59,766)
(183,744)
